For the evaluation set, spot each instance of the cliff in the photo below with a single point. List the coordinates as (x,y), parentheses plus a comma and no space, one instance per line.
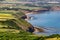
(25,25)
(55,8)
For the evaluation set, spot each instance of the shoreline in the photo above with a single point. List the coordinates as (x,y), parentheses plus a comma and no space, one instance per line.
(37,28)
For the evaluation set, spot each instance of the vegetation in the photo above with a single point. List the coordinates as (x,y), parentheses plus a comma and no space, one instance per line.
(16,36)
(9,30)
(11,23)
(22,35)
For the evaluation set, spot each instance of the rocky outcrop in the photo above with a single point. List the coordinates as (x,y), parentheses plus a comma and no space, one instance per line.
(24,17)
(38,29)
(35,29)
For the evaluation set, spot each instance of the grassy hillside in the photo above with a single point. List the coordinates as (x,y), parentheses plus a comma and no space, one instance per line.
(11,24)
(9,30)
(14,18)
(25,36)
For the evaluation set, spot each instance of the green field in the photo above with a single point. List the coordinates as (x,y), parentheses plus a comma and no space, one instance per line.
(12,19)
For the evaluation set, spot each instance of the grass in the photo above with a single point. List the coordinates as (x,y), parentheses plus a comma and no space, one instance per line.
(6,16)
(30,8)
(7,23)
(22,22)
(9,30)
(53,38)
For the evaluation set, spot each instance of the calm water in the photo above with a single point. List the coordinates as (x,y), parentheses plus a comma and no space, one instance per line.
(49,20)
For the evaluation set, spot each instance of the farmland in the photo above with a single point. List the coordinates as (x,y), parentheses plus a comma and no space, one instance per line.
(11,19)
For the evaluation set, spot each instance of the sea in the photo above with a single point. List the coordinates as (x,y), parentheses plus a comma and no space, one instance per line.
(49,21)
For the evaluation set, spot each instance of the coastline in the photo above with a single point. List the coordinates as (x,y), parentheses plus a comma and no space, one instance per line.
(36,29)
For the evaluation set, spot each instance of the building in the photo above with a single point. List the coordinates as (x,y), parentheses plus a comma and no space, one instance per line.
(52,2)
